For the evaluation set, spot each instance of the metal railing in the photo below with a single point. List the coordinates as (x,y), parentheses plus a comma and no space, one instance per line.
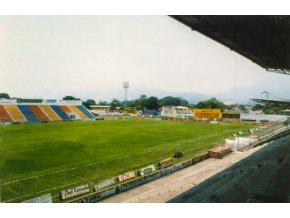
(265,134)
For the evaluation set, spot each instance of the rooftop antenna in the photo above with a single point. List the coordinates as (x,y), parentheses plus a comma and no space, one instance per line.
(126,86)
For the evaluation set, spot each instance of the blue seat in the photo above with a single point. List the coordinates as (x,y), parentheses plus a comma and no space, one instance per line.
(86,112)
(59,112)
(29,115)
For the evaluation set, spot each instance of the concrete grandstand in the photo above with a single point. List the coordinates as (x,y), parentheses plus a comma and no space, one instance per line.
(41,110)
(262,177)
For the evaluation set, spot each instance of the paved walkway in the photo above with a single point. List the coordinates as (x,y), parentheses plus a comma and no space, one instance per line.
(171,186)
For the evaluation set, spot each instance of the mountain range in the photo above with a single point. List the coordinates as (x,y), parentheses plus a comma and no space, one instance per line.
(277,88)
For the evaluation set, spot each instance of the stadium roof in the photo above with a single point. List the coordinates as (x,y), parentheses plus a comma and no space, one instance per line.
(265,40)
(277,101)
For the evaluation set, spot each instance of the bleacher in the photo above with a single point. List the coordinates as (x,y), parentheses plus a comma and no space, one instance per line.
(84,111)
(77,111)
(41,116)
(17,111)
(4,116)
(65,109)
(50,113)
(29,115)
(60,112)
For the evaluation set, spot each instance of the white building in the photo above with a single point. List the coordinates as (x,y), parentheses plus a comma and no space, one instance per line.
(176,111)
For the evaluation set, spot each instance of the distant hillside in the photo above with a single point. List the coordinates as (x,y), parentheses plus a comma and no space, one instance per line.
(276,87)
(191,97)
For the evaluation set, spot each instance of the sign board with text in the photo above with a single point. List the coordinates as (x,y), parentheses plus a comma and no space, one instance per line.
(126,176)
(165,162)
(207,113)
(68,193)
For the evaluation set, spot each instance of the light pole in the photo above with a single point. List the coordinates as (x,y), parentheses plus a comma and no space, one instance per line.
(265,92)
(126,86)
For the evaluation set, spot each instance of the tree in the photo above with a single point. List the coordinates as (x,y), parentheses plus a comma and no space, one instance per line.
(115,103)
(184,102)
(128,103)
(243,108)
(274,108)
(103,103)
(4,95)
(141,102)
(169,101)
(68,97)
(257,107)
(152,103)
(212,103)
(89,103)
(192,106)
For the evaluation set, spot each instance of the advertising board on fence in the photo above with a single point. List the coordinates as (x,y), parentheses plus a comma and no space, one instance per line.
(99,195)
(196,160)
(199,158)
(89,199)
(165,162)
(105,184)
(207,113)
(126,176)
(41,199)
(140,181)
(186,163)
(204,156)
(26,100)
(177,167)
(166,171)
(153,176)
(108,192)
(172,169)
(133,183)
(68,193)
(146,170)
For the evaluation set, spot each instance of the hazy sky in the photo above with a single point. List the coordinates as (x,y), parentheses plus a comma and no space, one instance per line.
(90,56)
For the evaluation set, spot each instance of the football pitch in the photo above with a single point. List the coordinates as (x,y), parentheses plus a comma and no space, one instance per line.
(39,158)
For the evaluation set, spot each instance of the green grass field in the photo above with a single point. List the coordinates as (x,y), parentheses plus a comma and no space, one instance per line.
(56,155)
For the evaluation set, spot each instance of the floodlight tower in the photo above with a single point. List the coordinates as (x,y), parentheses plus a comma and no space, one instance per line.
(126,86)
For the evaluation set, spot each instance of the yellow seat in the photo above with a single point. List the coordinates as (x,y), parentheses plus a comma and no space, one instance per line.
(50,113)
(15,113)
(74,109)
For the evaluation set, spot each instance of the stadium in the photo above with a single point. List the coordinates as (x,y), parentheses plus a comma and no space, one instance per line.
(59,151)
(62,131)
(67,154)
